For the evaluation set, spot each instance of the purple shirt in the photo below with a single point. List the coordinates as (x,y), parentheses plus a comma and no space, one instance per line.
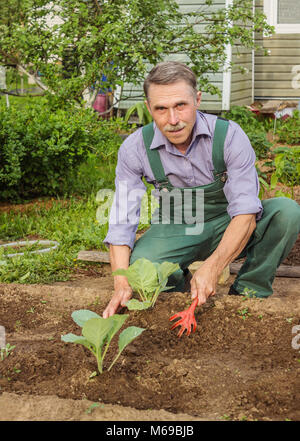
(194,168)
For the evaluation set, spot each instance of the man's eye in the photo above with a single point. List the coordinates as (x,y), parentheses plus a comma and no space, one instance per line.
(180,105)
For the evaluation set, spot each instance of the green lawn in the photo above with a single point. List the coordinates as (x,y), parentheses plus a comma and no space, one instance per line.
(72,222)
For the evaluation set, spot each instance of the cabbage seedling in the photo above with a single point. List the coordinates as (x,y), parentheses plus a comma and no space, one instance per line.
(148,279)
(98,332)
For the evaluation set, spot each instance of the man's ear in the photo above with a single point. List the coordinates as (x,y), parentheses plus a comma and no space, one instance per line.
(148,107)
(199,96)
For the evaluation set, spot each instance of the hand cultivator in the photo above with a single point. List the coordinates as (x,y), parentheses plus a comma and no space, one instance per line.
(187,319)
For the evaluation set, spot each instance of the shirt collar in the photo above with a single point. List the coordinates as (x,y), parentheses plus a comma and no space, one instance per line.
(200,128)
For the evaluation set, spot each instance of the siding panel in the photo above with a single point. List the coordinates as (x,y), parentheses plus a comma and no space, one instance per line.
(274,73)
(209,102)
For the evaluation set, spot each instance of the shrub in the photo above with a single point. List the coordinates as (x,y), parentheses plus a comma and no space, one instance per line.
(253,128)
(289,130)
(287,168)
(41,147)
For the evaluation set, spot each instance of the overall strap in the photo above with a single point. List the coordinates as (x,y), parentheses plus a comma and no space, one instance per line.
(218,145)
(153,155)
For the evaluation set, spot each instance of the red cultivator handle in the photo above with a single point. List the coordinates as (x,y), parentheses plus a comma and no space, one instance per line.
(187,319)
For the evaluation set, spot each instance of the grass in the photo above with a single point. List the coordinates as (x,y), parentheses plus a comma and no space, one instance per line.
(71,222)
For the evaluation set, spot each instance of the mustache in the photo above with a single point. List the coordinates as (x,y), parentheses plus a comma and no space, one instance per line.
(169,128)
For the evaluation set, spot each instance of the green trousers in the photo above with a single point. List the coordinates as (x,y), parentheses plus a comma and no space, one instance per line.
(274,236)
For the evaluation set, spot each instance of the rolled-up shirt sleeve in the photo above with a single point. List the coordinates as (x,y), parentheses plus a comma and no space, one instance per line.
(129,190)
(242,186)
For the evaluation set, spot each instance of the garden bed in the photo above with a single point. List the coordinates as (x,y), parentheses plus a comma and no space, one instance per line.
(239,364)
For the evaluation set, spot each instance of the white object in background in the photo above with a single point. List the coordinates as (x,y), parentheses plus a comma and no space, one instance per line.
(2,337)
(3,82)
(53,245)
(296,77)
(2,77)
(287,111)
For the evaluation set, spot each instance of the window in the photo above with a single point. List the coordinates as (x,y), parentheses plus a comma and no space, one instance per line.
(284,15)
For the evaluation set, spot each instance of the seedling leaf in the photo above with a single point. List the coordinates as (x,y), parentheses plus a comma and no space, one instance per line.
(83,315)
(141,275)
(118,321)
(135,305)
(148,279)
(128,335)
(95,330)
(72,338)
(165,269)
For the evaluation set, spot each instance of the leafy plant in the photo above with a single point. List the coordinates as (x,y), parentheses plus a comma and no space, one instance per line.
(6,351)
(244,313)
(289,130)
(244,117)
(253,128)
(260,144)
(142,113)
(248,293)
(104,44)
(42,148)
(287,169)
(148,279)
(98,332)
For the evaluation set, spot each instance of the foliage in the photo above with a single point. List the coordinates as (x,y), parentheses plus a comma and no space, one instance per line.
(142,113)
(287,169)
(6,351)
(244,117)
(253,128)
(148,279)
(43,147)
(99,44)
(289,130)
(71,222)
(97,332)
(260,144)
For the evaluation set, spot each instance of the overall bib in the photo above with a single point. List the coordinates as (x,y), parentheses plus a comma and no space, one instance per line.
(173,237)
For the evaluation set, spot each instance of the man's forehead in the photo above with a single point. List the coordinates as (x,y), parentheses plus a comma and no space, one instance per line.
(179,90)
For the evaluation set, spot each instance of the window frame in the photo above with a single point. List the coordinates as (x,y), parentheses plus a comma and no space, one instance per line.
(271,12)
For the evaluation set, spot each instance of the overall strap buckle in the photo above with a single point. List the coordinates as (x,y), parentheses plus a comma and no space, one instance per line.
(223,176)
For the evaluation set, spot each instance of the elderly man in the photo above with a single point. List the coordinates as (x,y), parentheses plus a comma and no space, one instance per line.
(206,159)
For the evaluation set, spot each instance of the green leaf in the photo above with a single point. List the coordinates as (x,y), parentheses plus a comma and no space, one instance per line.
(83,315)
(135,305)
(96,330)
(274,180)
(72,338)
(165,269)
(118,321)
(128,335)
(141,275)
(280,193)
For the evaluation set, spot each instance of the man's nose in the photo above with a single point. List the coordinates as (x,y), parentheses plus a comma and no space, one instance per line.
(173,117)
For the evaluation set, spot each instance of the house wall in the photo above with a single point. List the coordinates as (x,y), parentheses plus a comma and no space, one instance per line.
(241,83)
(277,76)
(209,102)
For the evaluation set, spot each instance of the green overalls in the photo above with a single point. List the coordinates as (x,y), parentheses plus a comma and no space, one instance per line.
(172,236)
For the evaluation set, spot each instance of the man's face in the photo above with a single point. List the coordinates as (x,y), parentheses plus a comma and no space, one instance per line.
(173,108)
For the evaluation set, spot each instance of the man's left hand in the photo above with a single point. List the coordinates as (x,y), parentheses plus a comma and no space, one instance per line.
(204,283)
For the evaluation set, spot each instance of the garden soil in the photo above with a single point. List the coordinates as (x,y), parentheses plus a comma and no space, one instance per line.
(239,364)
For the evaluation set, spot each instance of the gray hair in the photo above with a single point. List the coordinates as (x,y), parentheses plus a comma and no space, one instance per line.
(170,72)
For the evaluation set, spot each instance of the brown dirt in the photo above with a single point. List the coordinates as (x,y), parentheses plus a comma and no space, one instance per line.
(231,368)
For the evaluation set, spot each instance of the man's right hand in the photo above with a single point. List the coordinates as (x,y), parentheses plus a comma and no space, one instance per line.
(122,294)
